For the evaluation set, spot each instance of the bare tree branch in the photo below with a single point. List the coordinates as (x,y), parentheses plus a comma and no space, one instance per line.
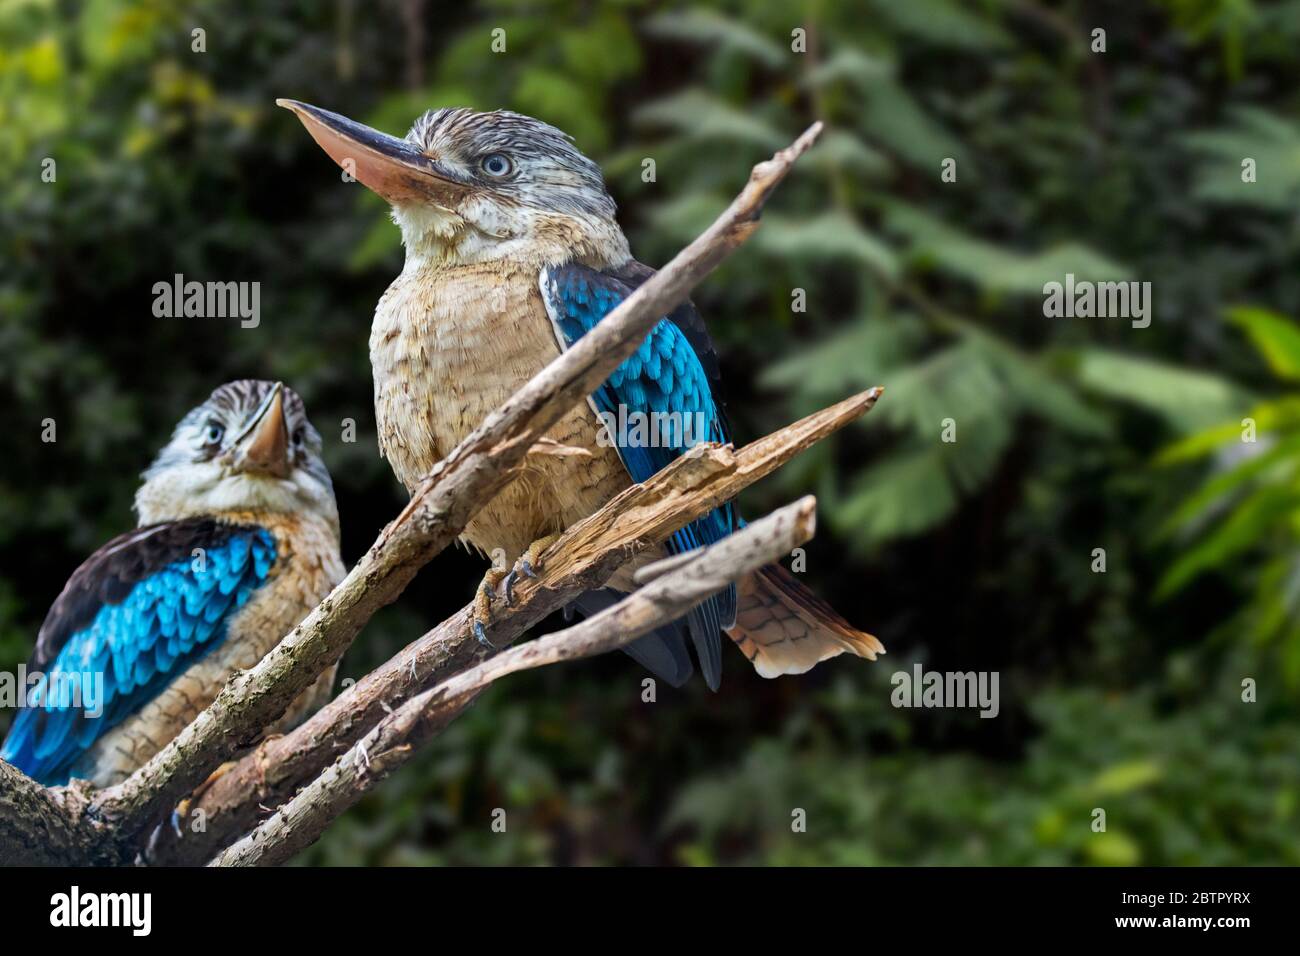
(40,826)
(582,559)
(391,744)
(470,475)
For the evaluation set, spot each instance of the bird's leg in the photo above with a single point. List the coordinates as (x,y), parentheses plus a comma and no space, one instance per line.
(482,615)
(529,563)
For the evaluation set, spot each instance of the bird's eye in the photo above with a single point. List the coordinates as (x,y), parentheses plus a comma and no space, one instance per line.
(214,433)
(497,164)
(299,438)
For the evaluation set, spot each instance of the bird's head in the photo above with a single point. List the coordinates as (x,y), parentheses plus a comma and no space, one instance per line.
(467,186)
(248,448)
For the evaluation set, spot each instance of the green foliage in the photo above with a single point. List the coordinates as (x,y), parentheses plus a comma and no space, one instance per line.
(1276,337)
(1270,141)
(1163,781)
(1248,510)
(1186,399)
(944,24)
(726,34)
(696,115)
(989,266)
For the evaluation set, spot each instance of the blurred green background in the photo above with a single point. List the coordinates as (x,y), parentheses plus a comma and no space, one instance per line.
(1120,690)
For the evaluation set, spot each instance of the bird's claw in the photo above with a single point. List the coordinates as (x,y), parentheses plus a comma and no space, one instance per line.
(181,812)
(529,563)
(522,566)
(527,566)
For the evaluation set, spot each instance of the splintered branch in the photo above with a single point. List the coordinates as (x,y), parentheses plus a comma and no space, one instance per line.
(582,559)
(470,475)
(392,742)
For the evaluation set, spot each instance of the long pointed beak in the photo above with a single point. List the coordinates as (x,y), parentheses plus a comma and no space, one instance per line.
(389,166)
(263,447)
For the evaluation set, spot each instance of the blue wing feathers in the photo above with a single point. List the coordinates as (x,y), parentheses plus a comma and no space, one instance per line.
(168,619)
(673,371)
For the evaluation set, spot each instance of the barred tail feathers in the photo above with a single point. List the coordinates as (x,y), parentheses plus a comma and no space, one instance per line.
(783,628)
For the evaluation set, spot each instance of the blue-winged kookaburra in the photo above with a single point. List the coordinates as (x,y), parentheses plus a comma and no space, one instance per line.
(512,254)
(238,539)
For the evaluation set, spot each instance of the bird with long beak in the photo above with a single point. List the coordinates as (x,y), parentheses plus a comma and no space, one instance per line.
(513,253)
(238,540)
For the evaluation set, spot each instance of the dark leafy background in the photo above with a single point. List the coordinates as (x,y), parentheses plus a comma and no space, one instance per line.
(1120,690)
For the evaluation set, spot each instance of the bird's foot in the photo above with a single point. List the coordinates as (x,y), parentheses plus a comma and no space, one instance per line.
(182,811)
(528,565)
(483,597)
